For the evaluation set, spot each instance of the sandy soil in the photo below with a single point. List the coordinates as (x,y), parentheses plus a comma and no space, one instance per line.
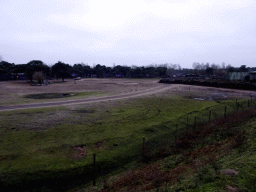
(115,89)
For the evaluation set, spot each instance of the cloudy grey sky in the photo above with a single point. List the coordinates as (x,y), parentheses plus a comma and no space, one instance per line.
(129,32)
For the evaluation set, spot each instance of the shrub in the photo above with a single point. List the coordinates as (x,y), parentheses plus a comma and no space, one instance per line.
(39,77)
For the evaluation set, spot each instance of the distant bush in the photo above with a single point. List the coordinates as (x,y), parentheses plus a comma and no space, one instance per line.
(39,77)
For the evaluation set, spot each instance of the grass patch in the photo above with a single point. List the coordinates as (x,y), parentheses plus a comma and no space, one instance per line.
(38,145)
(197,165)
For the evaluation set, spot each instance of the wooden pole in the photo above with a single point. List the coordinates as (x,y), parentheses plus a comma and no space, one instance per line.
(195,125)
(187,119)
(210,115)
(236,105)
(176,133)
(94,169)
(143,147)
(248,103)
(225,114)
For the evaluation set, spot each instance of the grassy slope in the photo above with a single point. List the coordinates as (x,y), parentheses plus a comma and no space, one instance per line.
(37,143)
(239,153)
(227,143)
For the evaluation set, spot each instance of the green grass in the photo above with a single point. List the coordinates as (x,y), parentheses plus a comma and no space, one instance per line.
(240,156)
(36,144)
(205,179)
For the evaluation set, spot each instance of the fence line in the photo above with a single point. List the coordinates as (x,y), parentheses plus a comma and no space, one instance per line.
(204,116)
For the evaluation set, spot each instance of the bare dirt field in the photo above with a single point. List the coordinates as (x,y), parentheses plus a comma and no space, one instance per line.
(12,92)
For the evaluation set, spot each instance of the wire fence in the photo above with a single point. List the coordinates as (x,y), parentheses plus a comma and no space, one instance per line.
(188,123)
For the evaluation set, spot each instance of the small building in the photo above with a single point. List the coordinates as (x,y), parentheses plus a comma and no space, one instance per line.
(253,76)
(237,76)
(242,76)
(18,76)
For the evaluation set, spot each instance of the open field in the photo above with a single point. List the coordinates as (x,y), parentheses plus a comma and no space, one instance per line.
(14,92)
(46,146)
(20,92)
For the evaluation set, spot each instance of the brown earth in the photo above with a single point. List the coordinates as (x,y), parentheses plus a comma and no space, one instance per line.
(114,89)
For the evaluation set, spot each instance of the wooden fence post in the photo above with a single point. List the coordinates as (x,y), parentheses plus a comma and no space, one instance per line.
(94,169)
(248,103)
(210,115)
(176,133)
(187,119)
(195,125)
(236,105)
(225,114)
(143,147)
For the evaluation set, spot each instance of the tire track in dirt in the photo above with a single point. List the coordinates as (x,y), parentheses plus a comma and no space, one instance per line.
(140,93)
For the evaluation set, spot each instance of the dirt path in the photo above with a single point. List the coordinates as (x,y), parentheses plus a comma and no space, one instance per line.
(13,91)
(132,94)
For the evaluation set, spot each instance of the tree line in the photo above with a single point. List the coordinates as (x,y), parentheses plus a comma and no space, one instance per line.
(38,70)
(63,70)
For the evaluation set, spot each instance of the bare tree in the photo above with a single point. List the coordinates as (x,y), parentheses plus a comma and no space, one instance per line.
(171,69)
(223,65)
(39,77)
(1,58)
(200,68)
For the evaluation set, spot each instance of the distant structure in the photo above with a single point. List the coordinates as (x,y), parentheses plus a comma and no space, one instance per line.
(18,76)
(253,76)
(241,76)
(13,76)
(237,76)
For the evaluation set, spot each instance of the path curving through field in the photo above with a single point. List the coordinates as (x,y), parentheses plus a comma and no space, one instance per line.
(132,94)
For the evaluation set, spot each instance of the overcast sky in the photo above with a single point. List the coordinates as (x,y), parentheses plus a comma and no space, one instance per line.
(129,32)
